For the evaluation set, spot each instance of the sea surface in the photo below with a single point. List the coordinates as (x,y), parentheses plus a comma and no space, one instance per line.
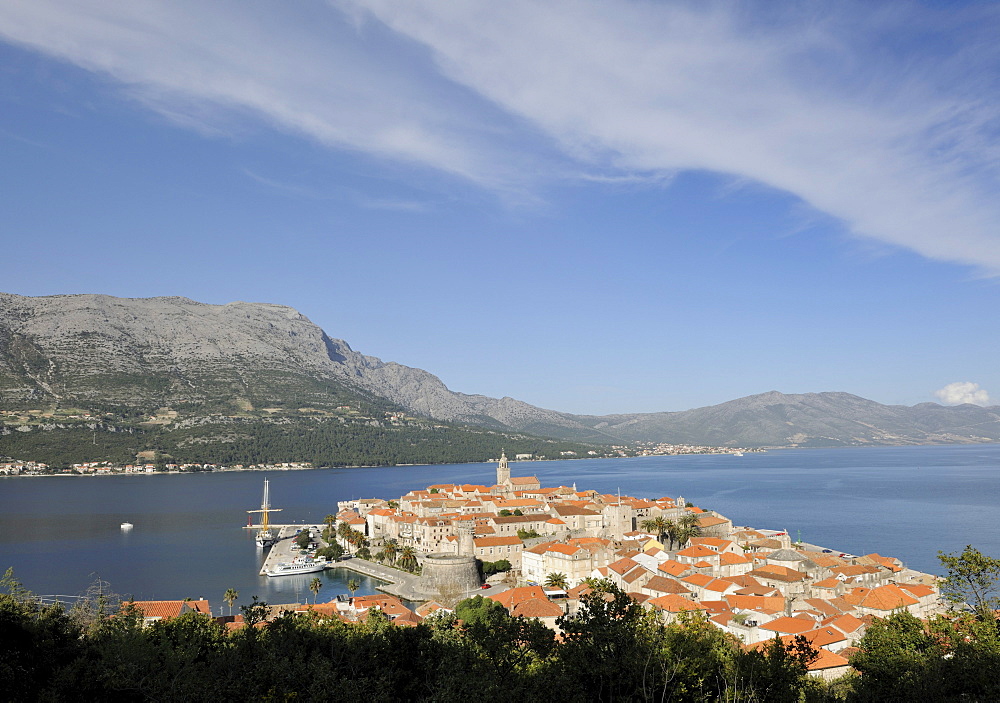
(60,534)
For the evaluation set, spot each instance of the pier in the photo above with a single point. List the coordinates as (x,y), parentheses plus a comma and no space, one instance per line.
(397,583)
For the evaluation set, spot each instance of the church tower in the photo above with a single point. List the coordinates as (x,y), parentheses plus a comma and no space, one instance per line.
(503,471)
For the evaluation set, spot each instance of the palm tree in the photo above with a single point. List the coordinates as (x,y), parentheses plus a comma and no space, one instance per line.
(390,548)
(343,529)
(329,521)
(230,596)
(315,585)
(688,527)
(353,585)
(556,580)
(662,527)
(407,558)
(654,525)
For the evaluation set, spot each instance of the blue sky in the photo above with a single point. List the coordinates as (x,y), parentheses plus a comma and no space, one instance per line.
(591,206)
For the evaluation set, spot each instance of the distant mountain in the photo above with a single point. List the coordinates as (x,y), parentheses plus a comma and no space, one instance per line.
(97,351)
(806,420)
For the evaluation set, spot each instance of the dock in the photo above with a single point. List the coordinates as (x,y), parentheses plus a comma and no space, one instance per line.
(397,583)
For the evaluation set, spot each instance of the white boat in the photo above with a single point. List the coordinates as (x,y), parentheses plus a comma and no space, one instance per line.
(127,526)
(290,568)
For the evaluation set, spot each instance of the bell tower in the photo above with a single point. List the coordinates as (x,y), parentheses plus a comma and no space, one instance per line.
(503,471)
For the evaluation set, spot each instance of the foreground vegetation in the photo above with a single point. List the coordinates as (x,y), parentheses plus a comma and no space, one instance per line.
(612,651)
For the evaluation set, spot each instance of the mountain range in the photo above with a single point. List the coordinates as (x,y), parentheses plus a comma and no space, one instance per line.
(151,354)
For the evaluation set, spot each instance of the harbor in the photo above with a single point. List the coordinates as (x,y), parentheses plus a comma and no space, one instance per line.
(396,583)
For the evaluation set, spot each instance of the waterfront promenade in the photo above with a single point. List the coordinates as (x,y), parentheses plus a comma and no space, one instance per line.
(397,583)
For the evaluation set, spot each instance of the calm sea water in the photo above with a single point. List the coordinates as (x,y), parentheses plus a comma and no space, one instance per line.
(60,533)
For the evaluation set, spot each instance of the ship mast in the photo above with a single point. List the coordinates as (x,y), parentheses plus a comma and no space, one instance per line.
(264,533)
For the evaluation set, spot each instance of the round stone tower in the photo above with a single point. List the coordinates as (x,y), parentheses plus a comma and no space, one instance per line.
(451,577)
(448,577)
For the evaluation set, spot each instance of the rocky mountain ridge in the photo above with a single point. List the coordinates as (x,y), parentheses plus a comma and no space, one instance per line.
(94,350)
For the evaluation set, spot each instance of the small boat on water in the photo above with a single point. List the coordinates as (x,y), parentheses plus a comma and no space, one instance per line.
(296,567)
(127,526)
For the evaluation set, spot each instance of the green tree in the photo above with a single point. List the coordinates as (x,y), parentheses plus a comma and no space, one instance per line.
(303,539)
(353,585)
(899,660)
(556,580)
(973,578)
(315,586)
(390,548)
(687,527)
(230,597)
(407,558)
(332,551)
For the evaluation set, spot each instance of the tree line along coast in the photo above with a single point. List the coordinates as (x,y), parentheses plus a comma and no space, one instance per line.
(608,597)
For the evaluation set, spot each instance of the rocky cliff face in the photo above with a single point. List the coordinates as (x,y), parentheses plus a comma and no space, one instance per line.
(101,351)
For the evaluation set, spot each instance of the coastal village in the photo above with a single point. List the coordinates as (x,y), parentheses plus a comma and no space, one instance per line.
(668,555)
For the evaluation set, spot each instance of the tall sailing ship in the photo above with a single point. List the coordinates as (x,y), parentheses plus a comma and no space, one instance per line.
(265,535)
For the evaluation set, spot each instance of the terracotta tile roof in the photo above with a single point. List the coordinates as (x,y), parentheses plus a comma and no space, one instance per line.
(826,583)
(846,623)
(778,573)
(855,570)
(745,581)
(827,660)
(623,566)
(522,480)
(698,551)
(787,625)
(590,540)
(728,559)
(719,585)
(887,562)
(431,607)
(537,608)
(509,599)
(566,510)
(716,607)
(634,575)
(772,604)
(171,608)
(698,579)
(888,597)
(825,607)
(918,590)
(716,543)
(673,568)
(664,584)
(711,521)
(566,549)
(674,603)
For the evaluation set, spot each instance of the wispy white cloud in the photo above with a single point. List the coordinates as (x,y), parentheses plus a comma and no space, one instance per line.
(963,392)
(884,118)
